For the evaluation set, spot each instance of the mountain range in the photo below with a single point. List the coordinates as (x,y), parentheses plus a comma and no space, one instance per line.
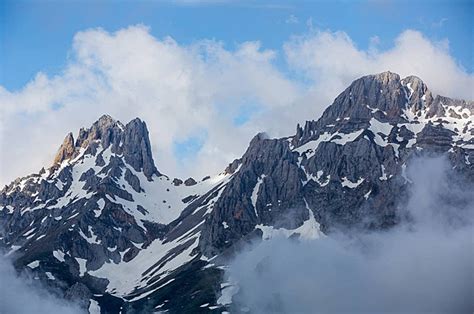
(105,227)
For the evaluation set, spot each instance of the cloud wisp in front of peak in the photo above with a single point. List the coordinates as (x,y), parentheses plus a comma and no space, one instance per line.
(21,294)
(424,265)
(201,88)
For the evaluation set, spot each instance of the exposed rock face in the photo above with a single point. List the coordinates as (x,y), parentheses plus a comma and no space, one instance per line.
(270,162)
(100,204)
(177,181)
(130,140)
(79,294)
(137,148)
(347,167)
(189,182)
(66,151)
(111,228)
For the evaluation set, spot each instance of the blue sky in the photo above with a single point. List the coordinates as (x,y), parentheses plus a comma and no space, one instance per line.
(37,35)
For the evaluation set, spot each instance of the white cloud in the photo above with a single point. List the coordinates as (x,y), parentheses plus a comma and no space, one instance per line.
(178,90)
(424,265)
(439,23)
(21,294)
(324,56)
(183,90)
(292,19)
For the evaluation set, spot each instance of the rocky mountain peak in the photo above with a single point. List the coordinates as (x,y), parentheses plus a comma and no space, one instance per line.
(418,94)
(106,129)
(259,137)
(380,92)
(106,119)
(384,97)
(381,95)
(132,141)
(137,148)
(66,150)
(384,77)
(415,83)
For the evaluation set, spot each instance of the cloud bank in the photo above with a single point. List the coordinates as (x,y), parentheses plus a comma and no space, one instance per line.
(425,265)
(203,93)
(21,295)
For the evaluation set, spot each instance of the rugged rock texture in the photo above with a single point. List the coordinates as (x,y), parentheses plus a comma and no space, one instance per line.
(189,182)
(66,151)
(131,141)
(347,167)
(101,202)
(137,148)
(109,227)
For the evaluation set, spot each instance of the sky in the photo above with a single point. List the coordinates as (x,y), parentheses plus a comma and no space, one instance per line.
(37,35)
(206,76)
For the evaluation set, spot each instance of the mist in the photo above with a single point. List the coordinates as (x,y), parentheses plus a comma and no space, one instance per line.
(21,294)
(425,264)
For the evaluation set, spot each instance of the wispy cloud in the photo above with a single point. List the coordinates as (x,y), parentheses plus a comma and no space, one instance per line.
(423,266)
(22,294)
(292,19)
(440,23)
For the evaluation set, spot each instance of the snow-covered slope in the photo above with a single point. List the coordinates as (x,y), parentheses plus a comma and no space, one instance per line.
(106,227)
(103,211)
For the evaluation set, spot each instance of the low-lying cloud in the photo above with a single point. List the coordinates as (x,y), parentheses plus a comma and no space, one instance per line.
(21,294)
(424,265)
(202,88)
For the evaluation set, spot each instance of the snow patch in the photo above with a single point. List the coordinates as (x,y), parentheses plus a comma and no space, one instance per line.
(384,175)
(82,266)
(349,184)
(310,229)
(366,195)
(255,193)
(98,211)
(33,264)
(337,138)
(227,292)
(94,307)
(59,255)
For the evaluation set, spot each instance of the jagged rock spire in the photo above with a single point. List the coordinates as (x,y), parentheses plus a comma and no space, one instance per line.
(66,150)
(131,140)
(106,129)
(137,148)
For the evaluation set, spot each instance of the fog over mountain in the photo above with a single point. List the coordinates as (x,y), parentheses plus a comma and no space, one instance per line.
(425,264)
(367,208)
(23,294)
